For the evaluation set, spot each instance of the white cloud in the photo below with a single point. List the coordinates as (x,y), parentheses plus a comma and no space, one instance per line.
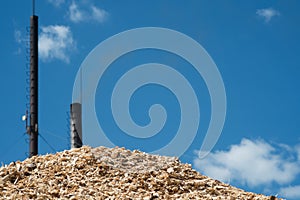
(98,14)
(291,192)
(76,15)
(252,163)
(20,40)
(86,13)
(267,14)
(56,3)
(18,36)
(56,42)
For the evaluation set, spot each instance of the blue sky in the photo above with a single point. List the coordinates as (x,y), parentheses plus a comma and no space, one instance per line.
(255,45)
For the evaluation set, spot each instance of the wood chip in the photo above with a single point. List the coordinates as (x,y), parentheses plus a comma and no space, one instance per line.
(105,173)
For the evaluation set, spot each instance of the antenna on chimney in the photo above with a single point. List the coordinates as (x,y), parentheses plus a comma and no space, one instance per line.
(33,7)
(32,127)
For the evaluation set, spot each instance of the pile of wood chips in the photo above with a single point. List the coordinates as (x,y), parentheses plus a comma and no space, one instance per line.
(104,173)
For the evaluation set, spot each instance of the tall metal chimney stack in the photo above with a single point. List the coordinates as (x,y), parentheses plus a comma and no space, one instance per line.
(33,126)
(76,125)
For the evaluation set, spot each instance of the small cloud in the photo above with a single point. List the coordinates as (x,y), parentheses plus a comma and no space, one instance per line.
(252,163)
(267,14)
(56,42)
(86,12)
(291,192)
(56,3)
(98,14)
(20,40)
(18,36)
(76,15)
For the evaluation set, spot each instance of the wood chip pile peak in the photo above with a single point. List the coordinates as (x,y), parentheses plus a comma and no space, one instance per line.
(117,173)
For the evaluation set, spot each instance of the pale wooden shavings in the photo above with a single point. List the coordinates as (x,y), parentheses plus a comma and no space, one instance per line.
(104,173)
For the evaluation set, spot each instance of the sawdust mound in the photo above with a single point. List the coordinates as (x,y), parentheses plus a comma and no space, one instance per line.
(104,173)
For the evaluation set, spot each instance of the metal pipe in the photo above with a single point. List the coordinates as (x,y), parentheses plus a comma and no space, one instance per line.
(33,147)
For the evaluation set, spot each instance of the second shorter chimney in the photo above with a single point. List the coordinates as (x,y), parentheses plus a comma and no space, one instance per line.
(76,125)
